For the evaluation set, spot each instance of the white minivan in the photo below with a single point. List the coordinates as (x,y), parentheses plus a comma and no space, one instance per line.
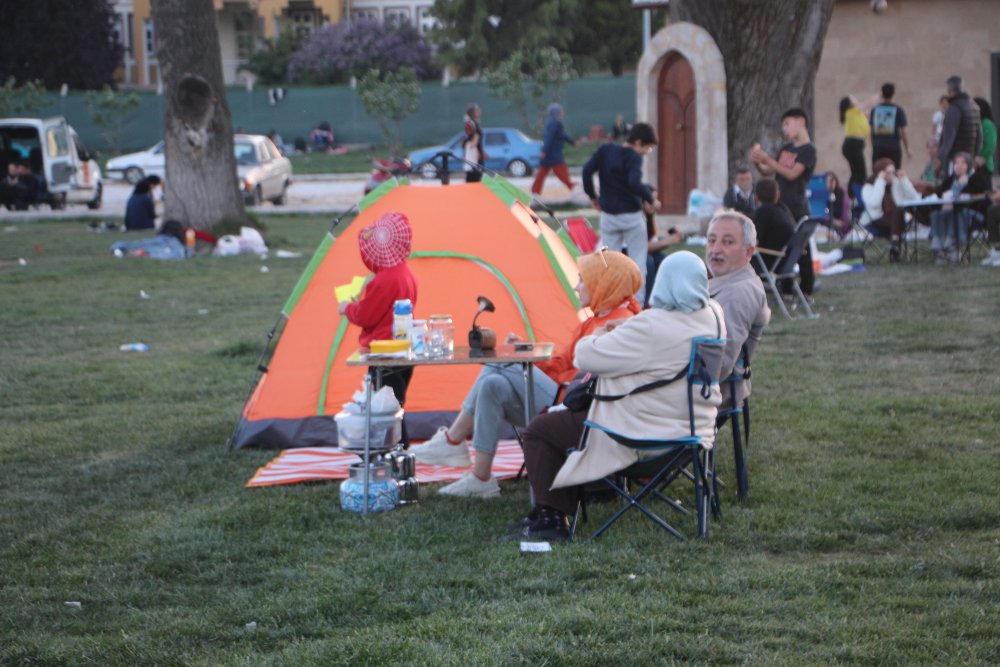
(66,170)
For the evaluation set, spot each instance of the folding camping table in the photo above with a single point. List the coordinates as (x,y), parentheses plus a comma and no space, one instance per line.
(937,202)
(503,354)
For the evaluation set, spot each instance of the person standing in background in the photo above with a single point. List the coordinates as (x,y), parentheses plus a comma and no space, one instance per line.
(619,171)
(888,127)
(792,169)
(962,131)
(472,144)
(985,157)
(552,151)
(856,133)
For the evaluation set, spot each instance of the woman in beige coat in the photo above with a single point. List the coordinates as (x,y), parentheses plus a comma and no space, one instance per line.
(653,345)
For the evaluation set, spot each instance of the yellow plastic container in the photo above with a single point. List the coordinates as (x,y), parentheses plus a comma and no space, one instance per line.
(388,346)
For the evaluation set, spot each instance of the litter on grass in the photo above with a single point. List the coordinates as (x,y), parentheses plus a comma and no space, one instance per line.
(73,604)
(535,547)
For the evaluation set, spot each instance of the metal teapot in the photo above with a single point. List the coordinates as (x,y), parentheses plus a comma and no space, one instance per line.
(402,463)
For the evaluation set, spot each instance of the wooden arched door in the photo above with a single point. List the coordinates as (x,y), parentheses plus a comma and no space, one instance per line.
(677,129)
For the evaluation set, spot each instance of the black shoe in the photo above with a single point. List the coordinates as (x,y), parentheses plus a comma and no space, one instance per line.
(517,526)
(539,531)
(894,254)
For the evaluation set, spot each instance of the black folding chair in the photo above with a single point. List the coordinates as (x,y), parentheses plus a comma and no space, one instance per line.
(784,267)
(735,411)
(665,461)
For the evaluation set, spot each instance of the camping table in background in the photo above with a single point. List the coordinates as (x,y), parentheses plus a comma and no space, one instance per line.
(936,201)
(503,354)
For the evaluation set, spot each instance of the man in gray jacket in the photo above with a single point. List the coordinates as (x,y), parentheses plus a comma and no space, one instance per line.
(962,131)
(732,240)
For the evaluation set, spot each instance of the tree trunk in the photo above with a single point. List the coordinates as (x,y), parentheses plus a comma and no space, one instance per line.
(200,188)
(771,50)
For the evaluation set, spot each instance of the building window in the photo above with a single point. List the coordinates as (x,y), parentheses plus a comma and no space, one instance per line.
(243,28)
(128,34)
(365,14)
(304,21)
(425,21)
(397,16)
(121,33)
(149,36)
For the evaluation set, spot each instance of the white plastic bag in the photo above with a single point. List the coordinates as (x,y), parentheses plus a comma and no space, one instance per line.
(383,401)
(702,204)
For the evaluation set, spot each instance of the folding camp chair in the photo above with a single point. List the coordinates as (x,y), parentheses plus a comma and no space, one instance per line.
(667,460)
(583,234)
(784,268)
(870,246)
(735,410)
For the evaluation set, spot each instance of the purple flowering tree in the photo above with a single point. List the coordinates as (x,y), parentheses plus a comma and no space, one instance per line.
(338,52)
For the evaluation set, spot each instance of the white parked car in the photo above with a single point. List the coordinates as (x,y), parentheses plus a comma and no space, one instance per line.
(133,167)
(264,174)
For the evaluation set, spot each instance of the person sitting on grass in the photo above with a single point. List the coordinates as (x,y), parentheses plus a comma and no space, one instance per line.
(140,210)
(607,282)
(653,345)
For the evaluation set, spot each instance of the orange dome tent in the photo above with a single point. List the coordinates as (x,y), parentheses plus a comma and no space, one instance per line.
(468,239)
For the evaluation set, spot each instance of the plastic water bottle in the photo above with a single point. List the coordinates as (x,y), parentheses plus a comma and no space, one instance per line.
(402,319)
(418,338)
(134,347)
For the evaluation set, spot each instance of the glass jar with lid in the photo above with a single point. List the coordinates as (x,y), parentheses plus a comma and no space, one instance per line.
(440,336)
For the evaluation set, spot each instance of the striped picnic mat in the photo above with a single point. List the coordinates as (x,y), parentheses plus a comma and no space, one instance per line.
(311,464)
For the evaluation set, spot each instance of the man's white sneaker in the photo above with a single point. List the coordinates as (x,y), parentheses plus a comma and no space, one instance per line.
(470,486)
(437,451)
(992,259)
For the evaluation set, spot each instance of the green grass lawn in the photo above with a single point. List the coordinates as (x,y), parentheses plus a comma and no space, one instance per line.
(872,534)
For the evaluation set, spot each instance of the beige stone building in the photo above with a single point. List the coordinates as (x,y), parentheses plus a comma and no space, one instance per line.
(916,44)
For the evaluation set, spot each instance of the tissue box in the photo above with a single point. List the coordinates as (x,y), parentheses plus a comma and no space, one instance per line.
(386,430)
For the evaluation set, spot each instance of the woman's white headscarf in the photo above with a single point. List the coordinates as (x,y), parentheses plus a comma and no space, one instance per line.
(681,283)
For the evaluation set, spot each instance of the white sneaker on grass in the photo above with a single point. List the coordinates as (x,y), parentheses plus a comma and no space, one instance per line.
(470,486)
(439,452)
(992,259)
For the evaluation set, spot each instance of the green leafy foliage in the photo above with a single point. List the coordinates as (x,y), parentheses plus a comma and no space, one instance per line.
(529,80)
(389,98)
(596,34)
(56,42)
(475,33)
(270,63)
(24,100)
(110,109)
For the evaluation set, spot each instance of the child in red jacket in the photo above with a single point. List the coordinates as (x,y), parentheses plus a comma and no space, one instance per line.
(384,245)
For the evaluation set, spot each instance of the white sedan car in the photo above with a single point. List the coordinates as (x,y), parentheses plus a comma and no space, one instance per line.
(134,167)
(263,173)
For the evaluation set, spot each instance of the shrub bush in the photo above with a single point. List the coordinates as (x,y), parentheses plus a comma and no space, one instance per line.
(338,52)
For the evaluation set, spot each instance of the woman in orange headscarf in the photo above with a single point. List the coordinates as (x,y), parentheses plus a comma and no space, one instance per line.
(607,282)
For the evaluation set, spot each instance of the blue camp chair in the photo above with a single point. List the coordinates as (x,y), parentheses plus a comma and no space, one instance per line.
(819,197)
(668,460)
